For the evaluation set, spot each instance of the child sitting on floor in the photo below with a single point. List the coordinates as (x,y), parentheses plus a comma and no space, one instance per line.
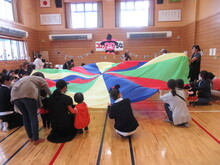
(44,110)
(121,111)
(175,105)
(82,117)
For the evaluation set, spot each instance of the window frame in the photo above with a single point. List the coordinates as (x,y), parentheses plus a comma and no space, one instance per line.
(151,15)
(20,44)
(13,13)
(69,15)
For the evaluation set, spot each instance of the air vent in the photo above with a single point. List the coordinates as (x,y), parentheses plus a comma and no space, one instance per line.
(140,35)
(12,32)
(55,37)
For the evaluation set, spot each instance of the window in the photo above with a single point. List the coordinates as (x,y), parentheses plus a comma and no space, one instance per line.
(134,13)
(8,11)
(84,15)
(12,50)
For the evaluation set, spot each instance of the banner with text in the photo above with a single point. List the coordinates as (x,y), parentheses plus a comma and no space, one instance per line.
(100,47)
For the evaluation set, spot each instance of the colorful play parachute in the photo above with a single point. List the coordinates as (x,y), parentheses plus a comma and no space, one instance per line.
(138,79)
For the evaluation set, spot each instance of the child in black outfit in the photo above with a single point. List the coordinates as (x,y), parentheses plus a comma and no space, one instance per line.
(44,110)
(125,122)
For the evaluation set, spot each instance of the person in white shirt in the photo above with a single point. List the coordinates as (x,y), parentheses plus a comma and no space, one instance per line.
(175,105)
(38,62)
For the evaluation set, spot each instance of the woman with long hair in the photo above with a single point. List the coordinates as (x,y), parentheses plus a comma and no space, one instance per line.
(61,119)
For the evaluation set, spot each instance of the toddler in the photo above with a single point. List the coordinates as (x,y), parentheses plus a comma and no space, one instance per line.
(44,110)
(82,117)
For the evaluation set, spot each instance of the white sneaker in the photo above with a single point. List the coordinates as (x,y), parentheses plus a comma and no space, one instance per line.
(5,126)
(1,124)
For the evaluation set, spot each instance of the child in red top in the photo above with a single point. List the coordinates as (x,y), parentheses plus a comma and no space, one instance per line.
(82,117)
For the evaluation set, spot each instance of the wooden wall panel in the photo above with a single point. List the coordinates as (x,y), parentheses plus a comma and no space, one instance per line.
(29,13)
(206,34)
(189,11)
(108,13)
(188,34)
(207,8)
(168,6)
(139,47)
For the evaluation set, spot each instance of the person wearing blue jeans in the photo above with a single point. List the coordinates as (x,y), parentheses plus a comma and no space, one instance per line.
(28,107)
(25,95)
(175,104)
(168,111)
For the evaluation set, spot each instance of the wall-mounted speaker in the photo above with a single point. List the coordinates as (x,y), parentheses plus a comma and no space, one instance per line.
(159,1)
(58,3)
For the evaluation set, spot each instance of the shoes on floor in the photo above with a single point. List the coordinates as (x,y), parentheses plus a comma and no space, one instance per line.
(186,125)
(167,120)
(39,141)
(80,131)
(5,126)
(86,129)
(192,104)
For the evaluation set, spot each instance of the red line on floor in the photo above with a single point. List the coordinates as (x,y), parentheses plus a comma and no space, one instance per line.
(206,131)
(57,153)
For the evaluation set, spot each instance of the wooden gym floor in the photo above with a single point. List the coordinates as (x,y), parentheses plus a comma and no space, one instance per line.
(155,143)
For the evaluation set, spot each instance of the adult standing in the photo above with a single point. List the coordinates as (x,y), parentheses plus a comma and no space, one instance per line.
(8,117)
(62,121)
(38,62)
(25,95)
(195,60)
(126,57)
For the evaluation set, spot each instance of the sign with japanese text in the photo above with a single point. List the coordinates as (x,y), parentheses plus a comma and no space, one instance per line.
(119,47)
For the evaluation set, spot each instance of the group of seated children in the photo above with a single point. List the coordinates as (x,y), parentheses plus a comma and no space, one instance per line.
(121,111)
